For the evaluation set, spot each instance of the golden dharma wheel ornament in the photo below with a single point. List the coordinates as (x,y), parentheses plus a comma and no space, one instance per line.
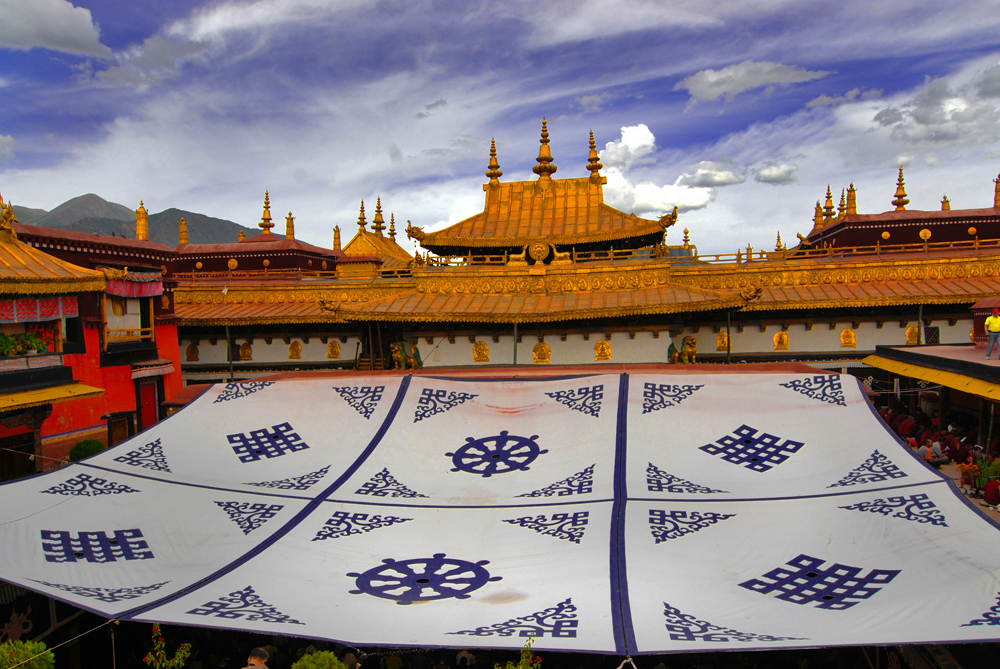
(232,263)
(323,264)
(972,232)
(267,263)
(925,234)
(538,251)
(198,265)
(885,234)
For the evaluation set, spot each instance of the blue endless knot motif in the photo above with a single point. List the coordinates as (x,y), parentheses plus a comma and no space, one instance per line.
(557,621)
(262,443)
(658,480)
(823,387)
(385,484)
(234,391)
(243,604)
(60,546)
(496,455)
(344,524)
(805,581)
(756,452)
(581,483)
(666,525)
(363,399)
(423,579)
(917,508)
(569,526)
(109,595)
(876,468)
(85,485)
(250,516)
(656,396)
(303,482)
(989,617)
(585,400)
(685,627)
(147,456)
(433,402)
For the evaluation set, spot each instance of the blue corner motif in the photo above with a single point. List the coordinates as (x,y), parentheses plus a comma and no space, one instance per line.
(758,452)
(385,484)
(246,605)
(568,526)
(806,581)
(344,524)
(918,508)
(433,402)
(656,396)
(109,595)
(685,627)
(249,516)
(363,399)
(85,485)
(658,480)
(303,482)
(581,483)
(666,525)
(825,388)
(423,579)
(988,617)
(235,391)
(876,468)
(147,456)
(558,621)
(585,400)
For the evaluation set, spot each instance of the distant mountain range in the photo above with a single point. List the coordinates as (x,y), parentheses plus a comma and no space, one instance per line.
(92,213)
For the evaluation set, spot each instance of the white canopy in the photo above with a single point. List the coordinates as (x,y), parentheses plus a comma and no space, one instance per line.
(632,513)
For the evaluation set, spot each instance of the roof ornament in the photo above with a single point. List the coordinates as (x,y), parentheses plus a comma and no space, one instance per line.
(378,223)
(7,221)
(778,246)
(667,219)
(141,223)
(852,200)
(818,216)
(242,237)
(842,207)
(545,167)
(828,207)
(361,216)
(493,169)
(945,204)
(687,239)
(392,226)
(289,226)
(265,218)
(414,231)
(182,231)
(900,202)
(996,193)
(593,161)
(336,238)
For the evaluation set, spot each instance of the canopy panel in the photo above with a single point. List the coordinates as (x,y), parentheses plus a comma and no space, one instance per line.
(633,513)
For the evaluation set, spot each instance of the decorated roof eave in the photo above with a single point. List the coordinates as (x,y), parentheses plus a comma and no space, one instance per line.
(52,286)
(559,240)
(854,302)
(325,317)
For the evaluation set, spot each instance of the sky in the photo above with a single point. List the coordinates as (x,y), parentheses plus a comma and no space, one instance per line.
(740,113)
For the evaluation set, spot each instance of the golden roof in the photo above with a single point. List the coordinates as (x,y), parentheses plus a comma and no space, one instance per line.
(367,243)
(28,271)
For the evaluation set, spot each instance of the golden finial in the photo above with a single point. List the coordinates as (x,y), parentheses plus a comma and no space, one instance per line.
(593,161)
(777,246)
(852,200)
(7,221)
(336,238)
(242,236)
(828,207)
(818,216)
(289,226)
(687,240)
(392,226)
(141,223)
(945,204)
(545,168)
(265,218)
(182,231)
(378,223)
(900,202)
(361,217)
(996,193)
(493,169)
(842,207)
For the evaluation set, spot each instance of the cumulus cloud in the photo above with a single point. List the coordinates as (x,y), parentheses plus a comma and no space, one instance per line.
(777,174)
(50,24)
(709,85)
(708,174)
(156,59)
(850,96)
(637,142)
(440,102)
(7,144)
(988,85)
(594,103)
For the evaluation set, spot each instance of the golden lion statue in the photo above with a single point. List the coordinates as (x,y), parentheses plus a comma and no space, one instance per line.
(686,354)
(403,361)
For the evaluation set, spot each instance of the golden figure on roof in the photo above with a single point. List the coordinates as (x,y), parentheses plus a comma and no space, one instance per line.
(7,218)
(141,223)
(686,354)
(780,340)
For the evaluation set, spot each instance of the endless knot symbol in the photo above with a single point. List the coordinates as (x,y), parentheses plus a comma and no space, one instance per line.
(423,579)
(745,447)
(806,582)
(496,455)
(262,443)
(94,546)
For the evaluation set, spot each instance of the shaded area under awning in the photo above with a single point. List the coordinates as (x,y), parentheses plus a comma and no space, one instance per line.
(39,396)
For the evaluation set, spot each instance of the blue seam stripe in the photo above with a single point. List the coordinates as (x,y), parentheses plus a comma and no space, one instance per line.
(846,493)
(291,524)
(621,616)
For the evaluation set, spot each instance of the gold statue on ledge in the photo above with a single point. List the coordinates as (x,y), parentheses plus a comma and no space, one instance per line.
(686,354)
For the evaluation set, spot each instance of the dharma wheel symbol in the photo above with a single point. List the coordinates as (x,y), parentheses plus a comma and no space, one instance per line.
(496,455)
(423,579)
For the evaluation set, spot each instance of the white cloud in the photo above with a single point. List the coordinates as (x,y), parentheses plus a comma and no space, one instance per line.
(156,59)
(849,96)
(50,24)
(218,20)
(7,144)
(777,174)
(637,142)
(708,174)
(709,85)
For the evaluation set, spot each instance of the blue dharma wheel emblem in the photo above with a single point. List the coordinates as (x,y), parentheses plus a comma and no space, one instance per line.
(423,579)
(496,455)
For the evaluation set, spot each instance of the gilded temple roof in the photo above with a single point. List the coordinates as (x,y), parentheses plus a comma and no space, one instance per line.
(368,243)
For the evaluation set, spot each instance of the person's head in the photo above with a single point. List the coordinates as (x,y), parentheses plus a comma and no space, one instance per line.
(996,312)
(258,656)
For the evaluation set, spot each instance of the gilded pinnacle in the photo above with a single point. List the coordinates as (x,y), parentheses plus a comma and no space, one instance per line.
(378,223)
(141,223)
(945,204)
(842,207)
(545,168)
(361,216)
(493,169)
(594,161)
(392,226)
(852,200)
(828,207)
(265,219)
(336,238)
(289,226)
(900,202)
(182,230)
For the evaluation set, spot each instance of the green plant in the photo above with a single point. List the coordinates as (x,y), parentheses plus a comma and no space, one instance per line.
(995,469)
(8,345)
(320,659)
(158,656)
(85,448)
(527,659)
(982,474)
(26,655)
(32,342)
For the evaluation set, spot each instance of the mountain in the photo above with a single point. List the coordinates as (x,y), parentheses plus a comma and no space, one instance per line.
(201,229)
(85,206)
(26,215)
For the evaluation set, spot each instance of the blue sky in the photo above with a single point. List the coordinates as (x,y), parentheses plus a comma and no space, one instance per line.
(739,113)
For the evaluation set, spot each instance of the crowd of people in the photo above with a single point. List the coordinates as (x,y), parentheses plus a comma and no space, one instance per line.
(935,443)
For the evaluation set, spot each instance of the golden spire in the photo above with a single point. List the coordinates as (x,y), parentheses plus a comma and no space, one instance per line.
(818,216)
(289,226)
(687,239)
(996,194)
(493,169)
(852,200)
(545,168)
(141,223)
(777,246)
(336,238)
(241,237)
(900,202)
(182,231)
(392,226)
(378,223)
(842,207)
(945,204)
(265,218)
(593,161)
(361,216)
(828,207)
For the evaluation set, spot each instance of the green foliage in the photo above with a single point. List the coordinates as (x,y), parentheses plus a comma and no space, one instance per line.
(19,345)
(157,658)
(982,473)
(321,659)
(32,342)
(13,653)
(527,659)
(995,469)
(8,345)
(85,448)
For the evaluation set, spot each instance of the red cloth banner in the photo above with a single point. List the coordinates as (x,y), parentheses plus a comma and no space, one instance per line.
(6,311)
(134,288)
(48,308)
(35,309)
(26,309)
(69,306)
